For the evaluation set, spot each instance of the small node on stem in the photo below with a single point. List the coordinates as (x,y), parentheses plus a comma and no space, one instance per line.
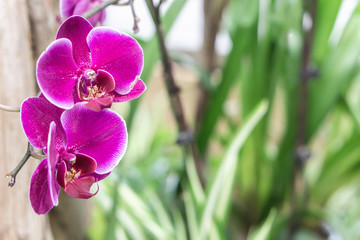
(309,72)
(185,138)
(136,19)
(12,180)
(14,172)
(302,154)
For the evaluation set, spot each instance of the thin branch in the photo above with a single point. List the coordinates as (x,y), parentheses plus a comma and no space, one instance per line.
(14,172)
(302,153)
(37,155)
(185,134)
(136,19)
(103,5)
(9,109)
(99,8)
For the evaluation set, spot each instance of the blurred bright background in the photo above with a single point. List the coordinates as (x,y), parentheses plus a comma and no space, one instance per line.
(277,132)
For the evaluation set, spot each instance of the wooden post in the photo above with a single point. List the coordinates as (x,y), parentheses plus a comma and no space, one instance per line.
(17,82)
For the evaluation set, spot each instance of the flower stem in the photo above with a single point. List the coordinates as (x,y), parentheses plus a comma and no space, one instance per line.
(9,109)
(29,153)
(299,189)
(99,8)
(185,134)
(103,5)
(136,19)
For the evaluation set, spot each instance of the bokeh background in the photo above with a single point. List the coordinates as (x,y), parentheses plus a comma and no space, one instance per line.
(271,95)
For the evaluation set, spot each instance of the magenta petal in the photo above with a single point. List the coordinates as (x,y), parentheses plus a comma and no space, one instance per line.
(52,155)
(137,90)
(84,5)
(80,188)
(56,73)
(105,101)
(93,105)
(84,164)
(76,28)
(100,135)
(105,80)
(36,115)
(98,104)
(99,177)
(40,197)
(102,16)
(67,7)
(61,172)
(118,54)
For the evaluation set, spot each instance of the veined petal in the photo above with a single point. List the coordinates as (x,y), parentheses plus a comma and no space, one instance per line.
(76,29)
(80,187)
(100,135)
(52,156)
(118,54)
(84,164)
(56,73)
(36,115)
(105,80)
(99,104)
(135,92)
(40,197)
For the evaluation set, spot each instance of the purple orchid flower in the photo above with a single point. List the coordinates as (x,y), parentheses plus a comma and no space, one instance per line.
(93,65)
(82,148)
(69,8)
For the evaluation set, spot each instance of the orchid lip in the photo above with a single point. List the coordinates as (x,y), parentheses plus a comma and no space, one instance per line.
(94,85)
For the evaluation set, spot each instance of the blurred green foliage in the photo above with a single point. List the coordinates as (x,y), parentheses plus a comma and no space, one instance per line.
(155,192)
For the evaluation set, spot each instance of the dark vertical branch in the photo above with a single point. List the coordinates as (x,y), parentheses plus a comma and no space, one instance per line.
(302,153)
(212,18)
(185,134)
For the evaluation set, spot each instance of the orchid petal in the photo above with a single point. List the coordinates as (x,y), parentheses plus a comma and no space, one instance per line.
(118,54)
(135,92)
(76,28)
(84,5)
(105,80)
(84,164)
(67,7)
(40,197)
(56,73)
(102,16)
(52,156)
(36,115)
(99,177)
(93,105)
(80,187)
(100,135)
(61,172)
(98,104)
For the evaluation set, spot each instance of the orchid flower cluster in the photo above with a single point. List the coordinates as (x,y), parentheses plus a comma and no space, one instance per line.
(80,75)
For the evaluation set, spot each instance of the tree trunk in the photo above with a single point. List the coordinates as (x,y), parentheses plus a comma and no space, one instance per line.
(20,44)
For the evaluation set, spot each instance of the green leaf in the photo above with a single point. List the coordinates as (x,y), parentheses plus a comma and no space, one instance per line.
(220,191)
(264,232)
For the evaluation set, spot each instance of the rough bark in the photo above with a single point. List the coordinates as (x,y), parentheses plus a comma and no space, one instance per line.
(17,81)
